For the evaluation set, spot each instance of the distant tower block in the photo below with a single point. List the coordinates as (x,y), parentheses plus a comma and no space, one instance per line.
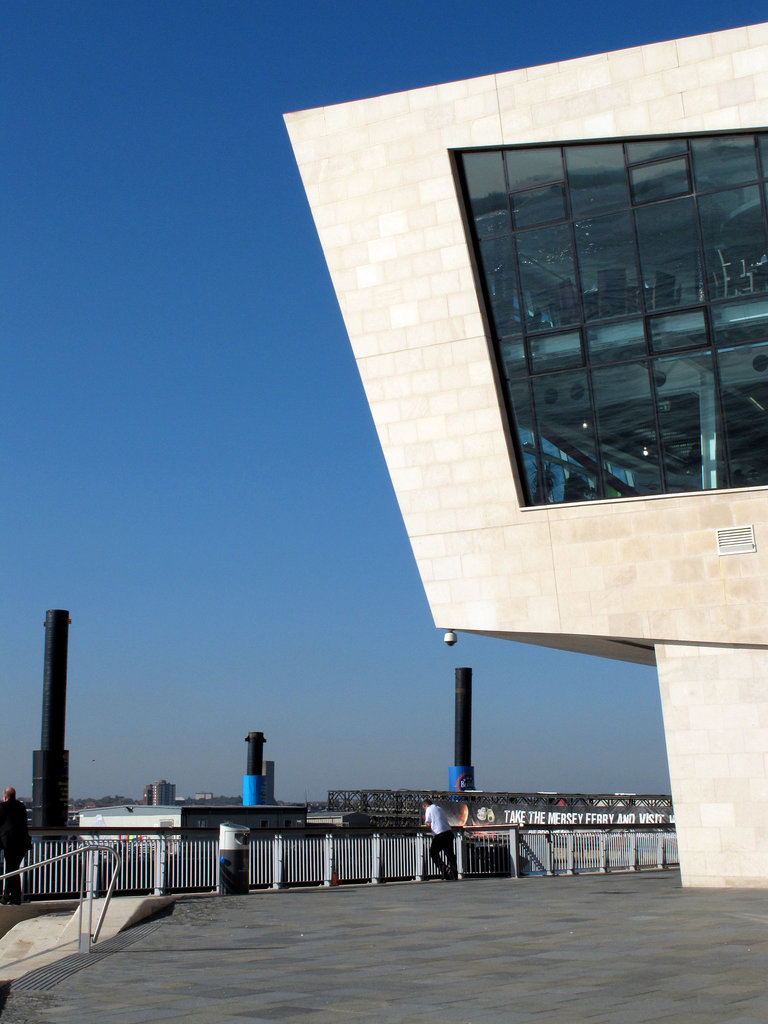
(50,764)
(253,780)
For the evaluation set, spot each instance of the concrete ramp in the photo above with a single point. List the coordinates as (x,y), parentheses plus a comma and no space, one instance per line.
(36,935)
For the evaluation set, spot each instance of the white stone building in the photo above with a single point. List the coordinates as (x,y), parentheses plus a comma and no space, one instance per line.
(555,283)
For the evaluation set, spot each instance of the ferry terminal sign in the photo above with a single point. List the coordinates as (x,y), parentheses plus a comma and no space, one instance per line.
(478,815)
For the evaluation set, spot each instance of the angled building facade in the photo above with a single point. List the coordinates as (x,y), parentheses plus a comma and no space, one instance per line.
(555,283)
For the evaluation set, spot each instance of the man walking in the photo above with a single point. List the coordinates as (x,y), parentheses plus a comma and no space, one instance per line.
(14,840)
(441,847)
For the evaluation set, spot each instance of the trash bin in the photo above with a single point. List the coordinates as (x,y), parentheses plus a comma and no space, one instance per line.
(234,859)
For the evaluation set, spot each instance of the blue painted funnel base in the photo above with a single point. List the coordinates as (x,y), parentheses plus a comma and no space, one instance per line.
(253,790)
(461,777)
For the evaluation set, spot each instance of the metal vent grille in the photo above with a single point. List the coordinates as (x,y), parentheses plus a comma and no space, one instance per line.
(736,541)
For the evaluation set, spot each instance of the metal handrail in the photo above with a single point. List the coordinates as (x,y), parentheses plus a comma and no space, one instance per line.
(87,849)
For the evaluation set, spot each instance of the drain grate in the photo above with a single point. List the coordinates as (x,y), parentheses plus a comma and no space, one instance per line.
(45,978)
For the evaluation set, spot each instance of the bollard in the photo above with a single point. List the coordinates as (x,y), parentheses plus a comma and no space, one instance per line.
(234,859)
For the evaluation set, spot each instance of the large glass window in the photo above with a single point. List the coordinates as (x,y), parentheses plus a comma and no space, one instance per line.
(626,285)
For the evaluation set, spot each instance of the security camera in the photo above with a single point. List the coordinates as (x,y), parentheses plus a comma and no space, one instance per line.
(450,638)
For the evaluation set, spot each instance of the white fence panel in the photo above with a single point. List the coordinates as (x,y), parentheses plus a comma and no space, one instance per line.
(303,860)
(191,864)
(352,858)
(399,857)
(589,851)
(262,862)
(619,851)
(60,879)
(486,855)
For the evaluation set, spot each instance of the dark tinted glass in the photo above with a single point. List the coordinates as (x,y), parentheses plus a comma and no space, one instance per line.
(762,145)
(740,321)
(668,239)
(547,275)
(608,266)
(538,206)
(744,391)
(688,422)
(627,430)
(484,173)
(723,160)
(500,270)
(678,331)
(597,180)
(659,181)
(527,167)
(556,351)
(653,149)
(512,352)
(735,243)
(565,427)
(527,439)
(616,341)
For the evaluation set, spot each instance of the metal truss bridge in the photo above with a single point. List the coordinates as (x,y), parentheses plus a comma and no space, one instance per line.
(392,808)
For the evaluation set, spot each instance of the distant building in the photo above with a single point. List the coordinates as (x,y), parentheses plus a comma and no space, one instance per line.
(268,771)
(135,819)
(203,796)
(339,819)
(160,793)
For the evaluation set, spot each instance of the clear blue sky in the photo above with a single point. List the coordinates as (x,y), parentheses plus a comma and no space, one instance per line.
(187,461)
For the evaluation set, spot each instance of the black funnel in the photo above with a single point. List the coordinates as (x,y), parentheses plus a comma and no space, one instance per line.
(50,768)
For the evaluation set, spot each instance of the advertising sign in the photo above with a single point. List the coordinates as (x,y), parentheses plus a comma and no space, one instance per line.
(475,814)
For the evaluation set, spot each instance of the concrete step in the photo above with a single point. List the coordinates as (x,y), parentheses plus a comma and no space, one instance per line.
(37,934)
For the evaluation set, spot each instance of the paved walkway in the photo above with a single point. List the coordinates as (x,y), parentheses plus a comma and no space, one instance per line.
(617,949)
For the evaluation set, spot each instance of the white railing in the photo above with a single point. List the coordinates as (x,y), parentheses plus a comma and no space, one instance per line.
(84,859)
(556,853)
(188,862)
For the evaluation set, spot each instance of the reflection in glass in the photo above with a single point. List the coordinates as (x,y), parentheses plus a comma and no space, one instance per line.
(616,341)
(607,266)
(512,352)
(626,430)
(762,145)
(484,173)
(741,321)
(538,206)
(653,149)
(547,277)
(556,351)
(688,422)
(723,160)
(527,439)
(567,442)
(668,240)
(678,330)
(500,270)
(527,167)
(744,391)
(597,180)
(659,181)
(734,239)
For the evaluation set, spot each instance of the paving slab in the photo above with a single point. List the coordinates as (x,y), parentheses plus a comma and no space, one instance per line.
(616,949)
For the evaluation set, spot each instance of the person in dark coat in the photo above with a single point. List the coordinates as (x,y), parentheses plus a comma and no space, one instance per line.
(15,842)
